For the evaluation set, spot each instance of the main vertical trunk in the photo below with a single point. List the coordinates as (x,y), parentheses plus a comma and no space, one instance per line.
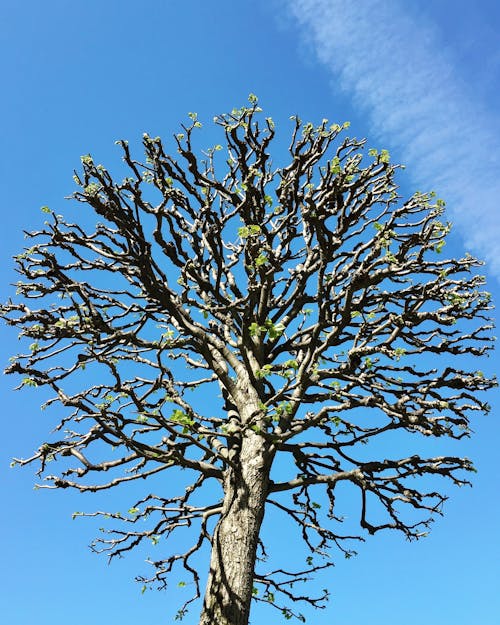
(230,581)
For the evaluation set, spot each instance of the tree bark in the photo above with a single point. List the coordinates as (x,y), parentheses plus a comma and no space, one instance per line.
(234,546)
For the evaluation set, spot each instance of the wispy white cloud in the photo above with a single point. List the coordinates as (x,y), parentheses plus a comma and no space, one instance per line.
(398,73)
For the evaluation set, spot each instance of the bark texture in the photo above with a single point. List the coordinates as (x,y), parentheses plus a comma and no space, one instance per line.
(230,582)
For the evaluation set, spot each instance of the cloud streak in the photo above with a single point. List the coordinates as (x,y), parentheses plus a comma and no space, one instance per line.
(398,73)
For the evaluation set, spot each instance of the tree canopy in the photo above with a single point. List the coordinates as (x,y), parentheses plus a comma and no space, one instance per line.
(259,326)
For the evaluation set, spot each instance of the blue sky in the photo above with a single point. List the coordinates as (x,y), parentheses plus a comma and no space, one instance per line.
(419,78)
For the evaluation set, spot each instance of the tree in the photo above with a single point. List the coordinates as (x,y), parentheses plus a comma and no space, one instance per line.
(309,302)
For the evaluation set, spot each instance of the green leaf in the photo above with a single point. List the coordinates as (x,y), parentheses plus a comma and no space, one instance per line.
(261,259)
(45,209)
(439,246)
(29,382)
(384,157)
(263,372)
(255,329)
(284,406)
(180,417)
(92,189)
(274,330)
(335,165)
(398,352)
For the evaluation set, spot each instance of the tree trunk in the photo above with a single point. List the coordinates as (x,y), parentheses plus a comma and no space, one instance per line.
(230,581)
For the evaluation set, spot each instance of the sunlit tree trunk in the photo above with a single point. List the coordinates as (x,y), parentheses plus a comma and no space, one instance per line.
(230,583)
